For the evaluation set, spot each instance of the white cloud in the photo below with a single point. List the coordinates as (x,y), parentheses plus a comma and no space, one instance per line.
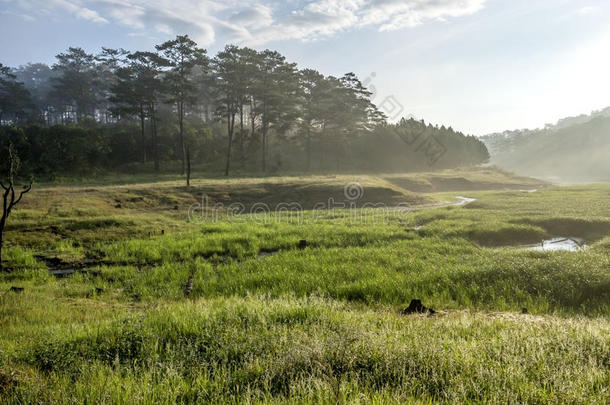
(393,15)
(257,16)
(23,16)
(257,22)
(73,7)
(90,15)
(587,10)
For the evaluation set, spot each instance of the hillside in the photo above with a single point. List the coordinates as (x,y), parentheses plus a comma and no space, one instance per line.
(576,149)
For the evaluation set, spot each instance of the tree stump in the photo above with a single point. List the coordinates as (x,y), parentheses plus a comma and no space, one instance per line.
(416,307)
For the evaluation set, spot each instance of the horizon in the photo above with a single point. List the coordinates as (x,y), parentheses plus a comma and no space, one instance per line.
(478,66)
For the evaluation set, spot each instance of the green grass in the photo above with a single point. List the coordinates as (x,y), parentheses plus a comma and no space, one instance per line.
(315,350)
(482,178)
(194,314)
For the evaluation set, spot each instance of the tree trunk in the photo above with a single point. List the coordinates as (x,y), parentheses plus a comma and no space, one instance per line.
(323,145)
(182,145)
(9,198)
(308,150)
(242,157)
(253,127)
(230,128)
(144,157)
(264,150)
(153,129)
(4,213)
(1,243)
(264,138)
(188,167)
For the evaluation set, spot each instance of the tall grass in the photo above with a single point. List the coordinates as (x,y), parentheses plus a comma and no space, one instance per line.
(195,314)
(313,350)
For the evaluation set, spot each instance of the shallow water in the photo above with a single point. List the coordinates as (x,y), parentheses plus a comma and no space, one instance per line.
(464,200)
(267,253)
(559,244)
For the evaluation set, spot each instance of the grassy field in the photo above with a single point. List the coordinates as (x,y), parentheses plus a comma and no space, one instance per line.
(170,307)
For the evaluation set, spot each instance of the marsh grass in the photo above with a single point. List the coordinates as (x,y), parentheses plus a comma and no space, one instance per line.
(313,325)
(315,350)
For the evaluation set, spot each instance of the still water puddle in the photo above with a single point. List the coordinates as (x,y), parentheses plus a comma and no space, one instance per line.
(267,253)
(559,244)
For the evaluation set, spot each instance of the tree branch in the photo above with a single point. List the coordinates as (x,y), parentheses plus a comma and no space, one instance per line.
(11,203)
(25,191)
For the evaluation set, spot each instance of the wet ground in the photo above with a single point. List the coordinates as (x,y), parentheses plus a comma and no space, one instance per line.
(558,244)
(464,200)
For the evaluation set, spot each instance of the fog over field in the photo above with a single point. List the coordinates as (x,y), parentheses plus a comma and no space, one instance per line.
(576,149)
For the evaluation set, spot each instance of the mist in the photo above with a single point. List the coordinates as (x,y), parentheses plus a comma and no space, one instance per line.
(574,150)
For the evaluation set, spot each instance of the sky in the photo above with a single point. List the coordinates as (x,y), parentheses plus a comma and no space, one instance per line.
(479,66)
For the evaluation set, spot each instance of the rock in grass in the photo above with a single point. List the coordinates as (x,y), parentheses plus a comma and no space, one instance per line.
(416,307)
(189,286)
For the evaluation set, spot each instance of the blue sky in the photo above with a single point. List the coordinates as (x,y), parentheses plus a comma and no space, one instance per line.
(478,65)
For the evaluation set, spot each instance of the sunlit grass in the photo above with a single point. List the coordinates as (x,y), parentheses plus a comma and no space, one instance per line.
(318,351)
(171,309)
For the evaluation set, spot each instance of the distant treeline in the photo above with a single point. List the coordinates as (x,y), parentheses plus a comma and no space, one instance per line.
(576,149)
(242,109)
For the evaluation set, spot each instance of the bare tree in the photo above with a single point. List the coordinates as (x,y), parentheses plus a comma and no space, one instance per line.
(9,196)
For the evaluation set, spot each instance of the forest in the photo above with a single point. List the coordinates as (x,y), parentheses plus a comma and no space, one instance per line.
(575,149)
(238,112)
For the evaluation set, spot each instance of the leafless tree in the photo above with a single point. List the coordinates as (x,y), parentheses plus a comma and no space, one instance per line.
(9,196)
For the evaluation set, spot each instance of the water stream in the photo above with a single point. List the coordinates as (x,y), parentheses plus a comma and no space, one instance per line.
(464,200)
